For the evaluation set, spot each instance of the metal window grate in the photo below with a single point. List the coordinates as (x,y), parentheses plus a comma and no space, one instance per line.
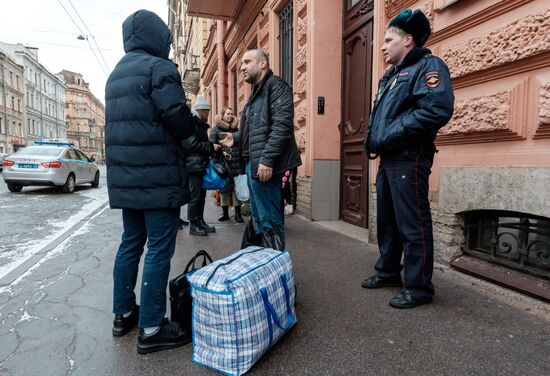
(286,32)
(516,240)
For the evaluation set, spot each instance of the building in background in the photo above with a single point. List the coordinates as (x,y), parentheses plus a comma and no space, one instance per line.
(489,183)
(190,37)
(85,116)
(44,96)
(12,105)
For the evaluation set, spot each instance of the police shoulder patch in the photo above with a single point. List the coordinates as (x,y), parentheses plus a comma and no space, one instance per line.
(432,79)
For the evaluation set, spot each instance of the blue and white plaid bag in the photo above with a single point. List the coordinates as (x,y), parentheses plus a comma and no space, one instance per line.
(242,305)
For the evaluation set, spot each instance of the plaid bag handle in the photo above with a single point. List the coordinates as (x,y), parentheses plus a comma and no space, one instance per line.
(272,314)
(229,262)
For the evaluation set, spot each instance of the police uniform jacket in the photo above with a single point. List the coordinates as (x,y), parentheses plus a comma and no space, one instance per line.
(414,100)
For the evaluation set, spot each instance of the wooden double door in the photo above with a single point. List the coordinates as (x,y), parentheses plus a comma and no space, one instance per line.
(356,106)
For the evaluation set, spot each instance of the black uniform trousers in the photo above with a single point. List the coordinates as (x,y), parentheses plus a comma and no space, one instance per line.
(195,208)
(404,222)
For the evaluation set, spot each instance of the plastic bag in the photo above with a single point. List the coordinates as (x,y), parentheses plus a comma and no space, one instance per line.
(241,188)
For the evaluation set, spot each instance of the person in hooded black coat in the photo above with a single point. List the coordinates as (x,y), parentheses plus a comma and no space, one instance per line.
(198,150)
(146,120)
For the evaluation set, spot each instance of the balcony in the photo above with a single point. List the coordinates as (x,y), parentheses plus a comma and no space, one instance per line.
(191,80)
(216,9)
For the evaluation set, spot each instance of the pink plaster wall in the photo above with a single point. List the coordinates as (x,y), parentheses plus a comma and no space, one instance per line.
(325,73)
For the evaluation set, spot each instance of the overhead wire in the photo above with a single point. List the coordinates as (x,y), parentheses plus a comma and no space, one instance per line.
(83,33)
(90,34)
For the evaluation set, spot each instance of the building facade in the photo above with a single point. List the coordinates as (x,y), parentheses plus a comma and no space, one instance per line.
(85,116)
(190,37)
(488,187)
(44,96)
(12,105)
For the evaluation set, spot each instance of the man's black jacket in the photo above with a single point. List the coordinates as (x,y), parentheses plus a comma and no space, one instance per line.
(414,100)
(146,119)
(270,116)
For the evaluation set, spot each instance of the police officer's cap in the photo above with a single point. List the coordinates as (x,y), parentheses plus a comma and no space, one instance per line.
(414,23)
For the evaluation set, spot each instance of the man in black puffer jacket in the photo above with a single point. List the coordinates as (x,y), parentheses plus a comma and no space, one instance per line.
(414,100)
(146,119)
(268,146)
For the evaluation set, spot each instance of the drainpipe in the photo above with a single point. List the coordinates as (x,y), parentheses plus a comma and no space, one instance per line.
(5,99)
(222,74)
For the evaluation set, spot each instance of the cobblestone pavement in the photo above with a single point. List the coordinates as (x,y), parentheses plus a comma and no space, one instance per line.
(56,318)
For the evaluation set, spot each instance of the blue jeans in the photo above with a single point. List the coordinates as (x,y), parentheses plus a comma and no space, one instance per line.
(266,203)
(159,228)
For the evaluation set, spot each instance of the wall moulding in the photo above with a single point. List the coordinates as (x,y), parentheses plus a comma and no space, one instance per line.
(505,70)
(502,116)
(525,38)
(211,67)
(394,6)
(490,12)
(242,24)
(543,126)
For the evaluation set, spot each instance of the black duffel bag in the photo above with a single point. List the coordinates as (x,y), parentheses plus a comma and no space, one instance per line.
(180,293)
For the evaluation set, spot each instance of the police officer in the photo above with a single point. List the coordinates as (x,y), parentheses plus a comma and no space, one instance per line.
(414,100)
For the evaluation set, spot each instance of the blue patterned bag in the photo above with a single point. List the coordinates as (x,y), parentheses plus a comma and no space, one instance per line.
(242,305)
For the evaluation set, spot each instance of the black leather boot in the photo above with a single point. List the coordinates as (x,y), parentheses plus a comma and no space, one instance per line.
(225,216)
(196,229)
(205,226)
(238,217)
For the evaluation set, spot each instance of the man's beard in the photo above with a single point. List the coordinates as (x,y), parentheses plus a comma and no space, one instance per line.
(250,79)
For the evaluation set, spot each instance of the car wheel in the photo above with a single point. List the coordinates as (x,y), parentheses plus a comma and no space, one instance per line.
(15,187)
(95,183)
(69,184)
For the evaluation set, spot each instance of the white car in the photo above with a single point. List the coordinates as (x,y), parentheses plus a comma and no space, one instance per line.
(49,164)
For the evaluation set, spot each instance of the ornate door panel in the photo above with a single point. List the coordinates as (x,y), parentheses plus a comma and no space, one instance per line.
(356,103)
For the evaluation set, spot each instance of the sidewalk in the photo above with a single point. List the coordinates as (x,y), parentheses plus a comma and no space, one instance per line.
(57,320)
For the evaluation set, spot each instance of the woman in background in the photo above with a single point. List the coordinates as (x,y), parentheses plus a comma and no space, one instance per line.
(227,122)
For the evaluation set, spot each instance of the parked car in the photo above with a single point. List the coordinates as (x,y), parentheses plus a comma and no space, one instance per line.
(2,157)
(49,164)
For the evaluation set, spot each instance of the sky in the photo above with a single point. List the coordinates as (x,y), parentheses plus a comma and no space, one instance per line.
(46,25)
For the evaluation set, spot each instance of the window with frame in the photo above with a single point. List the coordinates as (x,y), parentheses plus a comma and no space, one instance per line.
(286,49)
(352,3)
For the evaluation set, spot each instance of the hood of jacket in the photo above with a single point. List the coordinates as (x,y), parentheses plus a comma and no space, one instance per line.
(144,30)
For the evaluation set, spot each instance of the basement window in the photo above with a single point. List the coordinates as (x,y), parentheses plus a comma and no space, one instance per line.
(516,240)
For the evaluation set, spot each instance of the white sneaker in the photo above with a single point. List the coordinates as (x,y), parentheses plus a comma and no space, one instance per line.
(289,209)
